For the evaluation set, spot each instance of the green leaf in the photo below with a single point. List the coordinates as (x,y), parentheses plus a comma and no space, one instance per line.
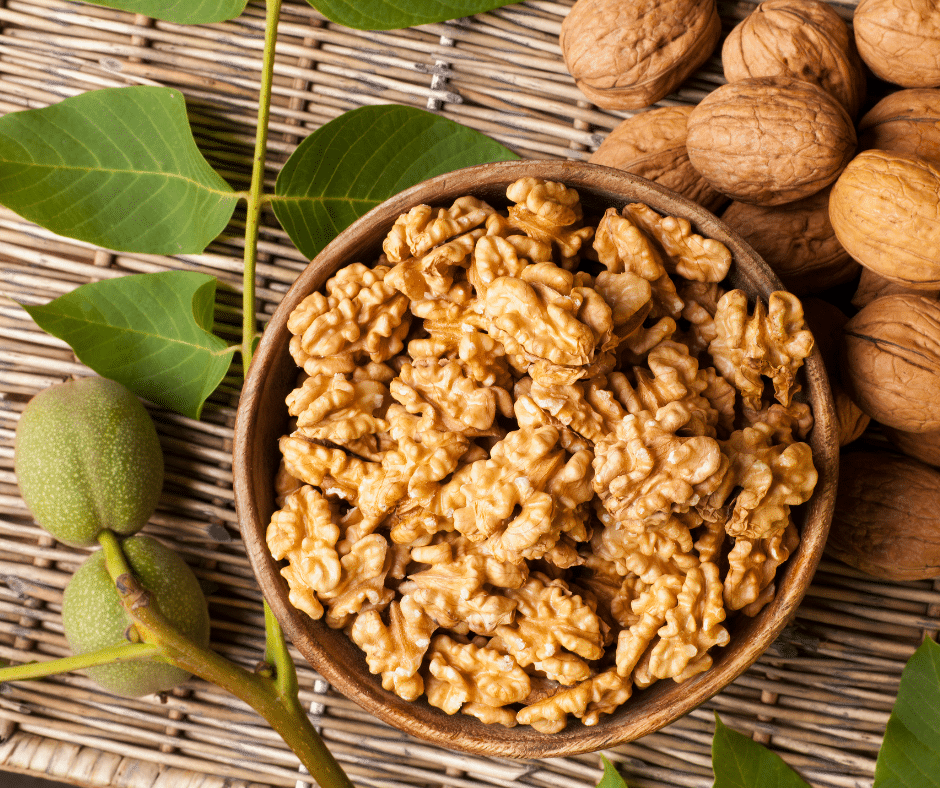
(740,762)
(910,753)
(363,157)
(151,332)
(184,12)
(395,14)
(611,778)
(117,168)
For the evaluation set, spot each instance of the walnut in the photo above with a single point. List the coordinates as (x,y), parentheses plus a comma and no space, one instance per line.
(644,471)
(906,121)
(752,567)
(923,446)
(421,229)
(304,533)
(691,628)
(477,680)
(538,318)
(883,209)
(651,144)
(550,213)
(551,622)
(797,38)
(900,41)
(685,253)
(395,651)
(452,401)
(772,344)
(362,581)
(600,694)
(885,518)
(891,353)
(360,317)
(622,246)
(630,55)
(796,240)
(768,479)
(432,275)
(770,140)
(871,286)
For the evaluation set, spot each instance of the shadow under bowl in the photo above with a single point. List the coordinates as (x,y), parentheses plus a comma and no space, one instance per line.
(262,419)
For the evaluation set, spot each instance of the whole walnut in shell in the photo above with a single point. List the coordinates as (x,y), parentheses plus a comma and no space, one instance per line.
(885,521)
(891,352)
(798,38)
(770,140)
(923,446)
(796,240)
(899,40)
(883,209)
(872,286)
(906,121)
(628,55)
(651,144)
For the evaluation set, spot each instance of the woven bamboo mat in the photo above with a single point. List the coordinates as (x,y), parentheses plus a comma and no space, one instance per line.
(820,697)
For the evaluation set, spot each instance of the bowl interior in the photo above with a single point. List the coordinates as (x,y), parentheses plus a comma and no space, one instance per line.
(262,419)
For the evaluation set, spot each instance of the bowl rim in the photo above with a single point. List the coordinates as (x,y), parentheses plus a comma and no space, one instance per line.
(468,735)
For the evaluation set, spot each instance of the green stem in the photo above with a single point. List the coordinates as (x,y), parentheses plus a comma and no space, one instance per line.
(122,652)
(283,713)
(256,191)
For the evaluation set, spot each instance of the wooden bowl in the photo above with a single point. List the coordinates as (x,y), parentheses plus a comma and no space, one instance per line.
(262,419)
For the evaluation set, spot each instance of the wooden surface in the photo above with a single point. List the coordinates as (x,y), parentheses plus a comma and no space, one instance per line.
(820,696)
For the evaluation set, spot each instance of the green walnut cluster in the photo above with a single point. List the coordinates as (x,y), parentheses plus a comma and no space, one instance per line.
(88,459)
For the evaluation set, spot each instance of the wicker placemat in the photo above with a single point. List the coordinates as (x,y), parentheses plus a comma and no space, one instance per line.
(820,697)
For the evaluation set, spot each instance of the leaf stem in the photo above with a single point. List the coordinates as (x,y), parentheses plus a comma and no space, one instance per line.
(255,192)
(285,716)
(120,652)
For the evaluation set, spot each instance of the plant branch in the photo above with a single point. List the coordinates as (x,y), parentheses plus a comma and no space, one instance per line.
(121,652)
(255,192)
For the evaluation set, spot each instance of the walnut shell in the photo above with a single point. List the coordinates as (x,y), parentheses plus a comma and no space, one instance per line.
(923,446)
(796,240)
(891,354)
(899,40)
(871,286)
(652,144)
(770,140)
(885,521)
(884,211)
(798,38)
(826,321)
(907,121)
(629,55)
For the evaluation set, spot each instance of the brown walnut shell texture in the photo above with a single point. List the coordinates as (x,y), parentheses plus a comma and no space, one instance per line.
(906,121)
(796,240)
(651,144)
(826,321)
(885,210)
(899,40)
(891,356)
(885,522)
(629,55)
(770,140)
(923,446)
(798,38)
(872,286)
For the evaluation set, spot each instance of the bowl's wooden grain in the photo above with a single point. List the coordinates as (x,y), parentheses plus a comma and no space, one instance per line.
(262,419)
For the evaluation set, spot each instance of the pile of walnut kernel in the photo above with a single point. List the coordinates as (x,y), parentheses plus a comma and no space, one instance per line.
(533,463)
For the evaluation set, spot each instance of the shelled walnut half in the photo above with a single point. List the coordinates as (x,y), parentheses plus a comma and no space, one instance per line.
(578,462)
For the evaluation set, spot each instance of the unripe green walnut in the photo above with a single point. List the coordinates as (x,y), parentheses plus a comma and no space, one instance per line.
(87,457)
(94,618)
